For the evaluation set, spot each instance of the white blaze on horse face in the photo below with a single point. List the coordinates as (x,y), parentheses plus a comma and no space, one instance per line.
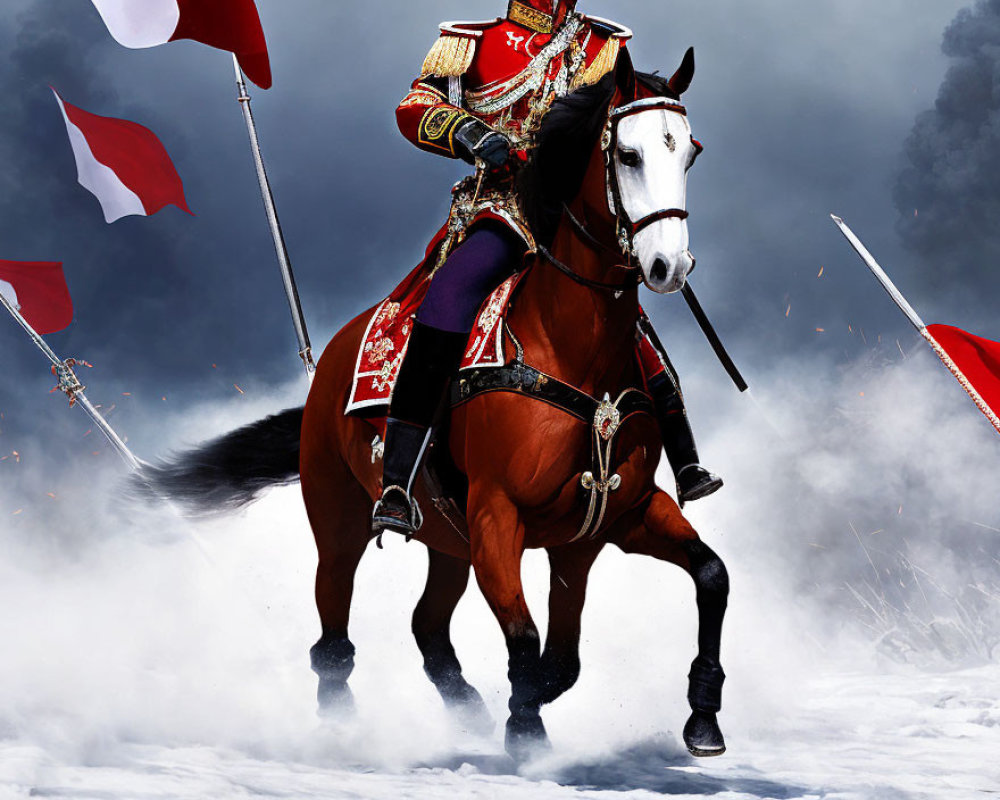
(655,150)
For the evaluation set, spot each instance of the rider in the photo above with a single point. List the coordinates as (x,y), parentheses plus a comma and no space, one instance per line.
(482,93)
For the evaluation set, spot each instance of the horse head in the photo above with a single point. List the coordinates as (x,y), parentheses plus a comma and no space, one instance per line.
(621,166)
(648,150)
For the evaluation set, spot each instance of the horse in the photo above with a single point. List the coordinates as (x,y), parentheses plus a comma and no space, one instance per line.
(604,177)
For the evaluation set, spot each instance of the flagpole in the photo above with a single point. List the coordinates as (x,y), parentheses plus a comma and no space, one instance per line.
(285,265)
(917,322)
(70,384)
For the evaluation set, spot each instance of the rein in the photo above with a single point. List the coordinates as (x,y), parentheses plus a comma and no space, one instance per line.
(632,282)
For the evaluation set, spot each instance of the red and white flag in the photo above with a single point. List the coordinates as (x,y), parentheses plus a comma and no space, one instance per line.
(232,25)
(37,289)
(122,163)
(974,361)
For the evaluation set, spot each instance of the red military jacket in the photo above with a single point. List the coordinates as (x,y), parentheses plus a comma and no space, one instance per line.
(506,72)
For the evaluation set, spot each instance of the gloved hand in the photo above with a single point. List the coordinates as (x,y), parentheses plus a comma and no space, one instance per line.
(477,140)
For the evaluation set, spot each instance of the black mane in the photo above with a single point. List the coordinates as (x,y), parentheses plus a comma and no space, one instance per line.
(564,144)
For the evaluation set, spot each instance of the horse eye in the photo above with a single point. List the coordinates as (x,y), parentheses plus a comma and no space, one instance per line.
(628,158)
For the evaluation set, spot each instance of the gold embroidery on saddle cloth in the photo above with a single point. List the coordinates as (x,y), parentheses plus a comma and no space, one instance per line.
(605,61)
(530,18)
(437,128)
(450,57)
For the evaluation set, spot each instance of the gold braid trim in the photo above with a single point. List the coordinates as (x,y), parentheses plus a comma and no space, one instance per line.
(601,65)
(953,368)
(450,57)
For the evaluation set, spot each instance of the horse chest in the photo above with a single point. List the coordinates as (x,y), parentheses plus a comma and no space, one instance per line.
(538,457)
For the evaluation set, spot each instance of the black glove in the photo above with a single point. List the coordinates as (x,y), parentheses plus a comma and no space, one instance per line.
(475,139)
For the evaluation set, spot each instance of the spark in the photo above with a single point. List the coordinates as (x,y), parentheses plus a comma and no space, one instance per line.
(788,310)
(900,348)
(238,389)
(900,512)
(51,494)
(821,270)
(874,533)
(19,511)
(126,394)
(821,330)
(88,433)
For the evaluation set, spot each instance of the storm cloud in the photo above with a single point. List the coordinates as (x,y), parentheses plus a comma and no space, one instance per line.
(947,193)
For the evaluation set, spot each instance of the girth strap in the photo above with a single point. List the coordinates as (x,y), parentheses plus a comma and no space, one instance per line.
(520,378)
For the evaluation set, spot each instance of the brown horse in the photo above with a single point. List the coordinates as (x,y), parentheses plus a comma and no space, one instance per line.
(528,460)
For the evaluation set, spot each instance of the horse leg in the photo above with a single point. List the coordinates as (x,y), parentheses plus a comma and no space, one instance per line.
(497,549)
(663,533)
(447,578)
(338,509)
(570,566)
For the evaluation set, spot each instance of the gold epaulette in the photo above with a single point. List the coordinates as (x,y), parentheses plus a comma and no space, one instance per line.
(602,65)
(607,58)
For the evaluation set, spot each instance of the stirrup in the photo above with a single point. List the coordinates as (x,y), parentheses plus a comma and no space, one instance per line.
(701,484)
(396,511)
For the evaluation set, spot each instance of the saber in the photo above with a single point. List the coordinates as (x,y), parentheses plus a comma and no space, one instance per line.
(713,337)
(71,386)
(281,250)
(916,321)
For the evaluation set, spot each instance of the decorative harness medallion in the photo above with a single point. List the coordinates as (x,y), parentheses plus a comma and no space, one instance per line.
(607,419)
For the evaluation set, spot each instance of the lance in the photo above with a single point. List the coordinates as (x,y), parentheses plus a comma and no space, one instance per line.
(70,384)
(916,321)
(284,263)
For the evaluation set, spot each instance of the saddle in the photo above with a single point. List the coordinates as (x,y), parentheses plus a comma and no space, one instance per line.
(487,367)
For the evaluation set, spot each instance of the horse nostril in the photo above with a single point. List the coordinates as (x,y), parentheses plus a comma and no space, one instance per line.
(659,271)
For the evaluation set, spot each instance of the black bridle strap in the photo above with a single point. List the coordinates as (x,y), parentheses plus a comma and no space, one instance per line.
(631,282)
(586,235)
(652,219)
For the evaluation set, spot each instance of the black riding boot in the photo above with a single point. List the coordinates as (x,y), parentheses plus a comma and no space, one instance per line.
(693,480)
(431,359)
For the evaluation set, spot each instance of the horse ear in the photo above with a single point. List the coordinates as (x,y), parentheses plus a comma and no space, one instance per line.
(681,81)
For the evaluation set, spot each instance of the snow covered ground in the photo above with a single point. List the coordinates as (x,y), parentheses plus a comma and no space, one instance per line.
(146,657)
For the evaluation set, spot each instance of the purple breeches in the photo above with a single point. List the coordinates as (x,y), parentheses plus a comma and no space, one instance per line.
(489,256)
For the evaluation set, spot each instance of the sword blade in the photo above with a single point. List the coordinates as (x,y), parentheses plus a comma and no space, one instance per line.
(880,274)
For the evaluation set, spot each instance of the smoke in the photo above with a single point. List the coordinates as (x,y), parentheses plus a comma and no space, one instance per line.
(858,521)
(946,192)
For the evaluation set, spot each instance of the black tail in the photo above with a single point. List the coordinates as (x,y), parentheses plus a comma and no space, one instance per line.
(231,471)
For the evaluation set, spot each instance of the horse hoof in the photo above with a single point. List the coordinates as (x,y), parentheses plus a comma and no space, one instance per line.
(703,737)
(335,699)
(526,738)
(471,716)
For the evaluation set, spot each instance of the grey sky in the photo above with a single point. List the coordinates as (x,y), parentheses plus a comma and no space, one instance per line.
(804,109)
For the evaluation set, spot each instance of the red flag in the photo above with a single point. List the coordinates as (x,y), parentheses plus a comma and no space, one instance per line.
(38,290)
(232,25)
(977,359)
(122,163)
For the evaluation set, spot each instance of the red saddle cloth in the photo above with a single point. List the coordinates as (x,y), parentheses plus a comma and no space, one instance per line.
(384,344)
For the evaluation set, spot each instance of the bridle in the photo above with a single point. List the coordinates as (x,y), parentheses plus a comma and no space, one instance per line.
(626,228)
